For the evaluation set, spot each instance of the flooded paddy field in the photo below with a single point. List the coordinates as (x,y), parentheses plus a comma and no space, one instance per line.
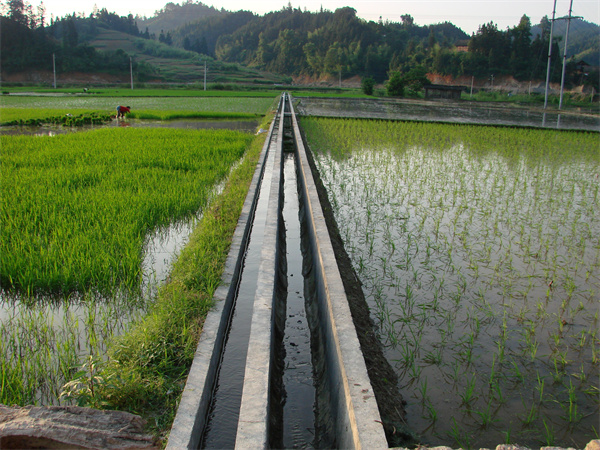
(478,253)
(109,104)
(91,224)
(447,112)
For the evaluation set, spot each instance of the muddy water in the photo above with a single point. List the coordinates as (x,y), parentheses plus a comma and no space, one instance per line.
(298,416)
(459,112)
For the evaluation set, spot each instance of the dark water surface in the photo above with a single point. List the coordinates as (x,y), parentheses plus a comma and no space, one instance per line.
(53,130)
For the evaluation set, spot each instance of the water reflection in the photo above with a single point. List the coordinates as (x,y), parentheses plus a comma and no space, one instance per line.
(54,130)
(44,337)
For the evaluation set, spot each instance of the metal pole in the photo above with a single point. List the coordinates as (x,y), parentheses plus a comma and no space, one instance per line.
(131,71)
(562,80)
(549,56)
(54,68)
(204,74)
(472,79)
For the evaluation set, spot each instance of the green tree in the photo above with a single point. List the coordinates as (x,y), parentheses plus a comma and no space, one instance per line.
(416,79)
(70,35)
(520,58)
(395,85)
(367,85)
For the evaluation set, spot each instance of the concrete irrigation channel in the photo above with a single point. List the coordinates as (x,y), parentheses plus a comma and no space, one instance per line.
(279,363)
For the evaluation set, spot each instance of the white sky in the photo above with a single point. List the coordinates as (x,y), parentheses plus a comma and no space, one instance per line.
(466,14)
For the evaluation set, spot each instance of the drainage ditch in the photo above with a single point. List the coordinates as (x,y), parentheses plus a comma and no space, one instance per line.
(279,364)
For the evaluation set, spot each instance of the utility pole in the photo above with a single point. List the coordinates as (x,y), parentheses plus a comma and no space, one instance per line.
(131,71)
(562,80)
(54,68)
(549,55)
(205,75)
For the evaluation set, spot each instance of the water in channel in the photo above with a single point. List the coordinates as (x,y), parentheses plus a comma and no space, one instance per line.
(298,420)
(221,427)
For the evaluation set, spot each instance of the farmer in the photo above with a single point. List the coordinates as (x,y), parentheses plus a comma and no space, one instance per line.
(122,110)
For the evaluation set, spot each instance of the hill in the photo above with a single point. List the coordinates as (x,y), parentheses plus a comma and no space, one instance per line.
(176,64)
(243,47)
(583,43)
(173,16)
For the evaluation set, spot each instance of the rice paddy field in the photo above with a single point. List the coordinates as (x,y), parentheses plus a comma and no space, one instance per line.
(78,214)
(479,253)
(24,107)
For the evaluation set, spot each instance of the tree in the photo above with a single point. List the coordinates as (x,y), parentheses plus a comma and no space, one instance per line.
(70,35)
(395,85)
(367,85)
(520,59)
(407,20)
(416,79)
(16,12)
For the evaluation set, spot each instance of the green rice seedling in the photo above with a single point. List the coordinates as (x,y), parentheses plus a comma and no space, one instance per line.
(423,389)
(486,415)
(469,396)
(431,413)
(457,435)
(571,409)
(83,203)
(531,415)
(550,438)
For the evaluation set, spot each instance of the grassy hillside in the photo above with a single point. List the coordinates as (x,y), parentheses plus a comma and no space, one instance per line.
(176,64)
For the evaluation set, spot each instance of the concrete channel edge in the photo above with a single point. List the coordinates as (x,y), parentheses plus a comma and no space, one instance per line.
(359,423)
(195,401)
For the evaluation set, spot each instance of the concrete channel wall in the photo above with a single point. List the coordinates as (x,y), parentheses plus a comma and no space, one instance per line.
(358,422)
(354,409)
(193,408)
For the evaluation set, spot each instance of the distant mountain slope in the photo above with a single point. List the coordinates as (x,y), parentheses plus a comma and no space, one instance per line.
(173,16)
(583,43)
(296,42)
(176,64)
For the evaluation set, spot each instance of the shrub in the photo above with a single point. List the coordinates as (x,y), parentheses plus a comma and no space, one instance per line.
(395,85)
(367,85)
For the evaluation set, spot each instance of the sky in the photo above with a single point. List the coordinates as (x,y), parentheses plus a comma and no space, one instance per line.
(465,14)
